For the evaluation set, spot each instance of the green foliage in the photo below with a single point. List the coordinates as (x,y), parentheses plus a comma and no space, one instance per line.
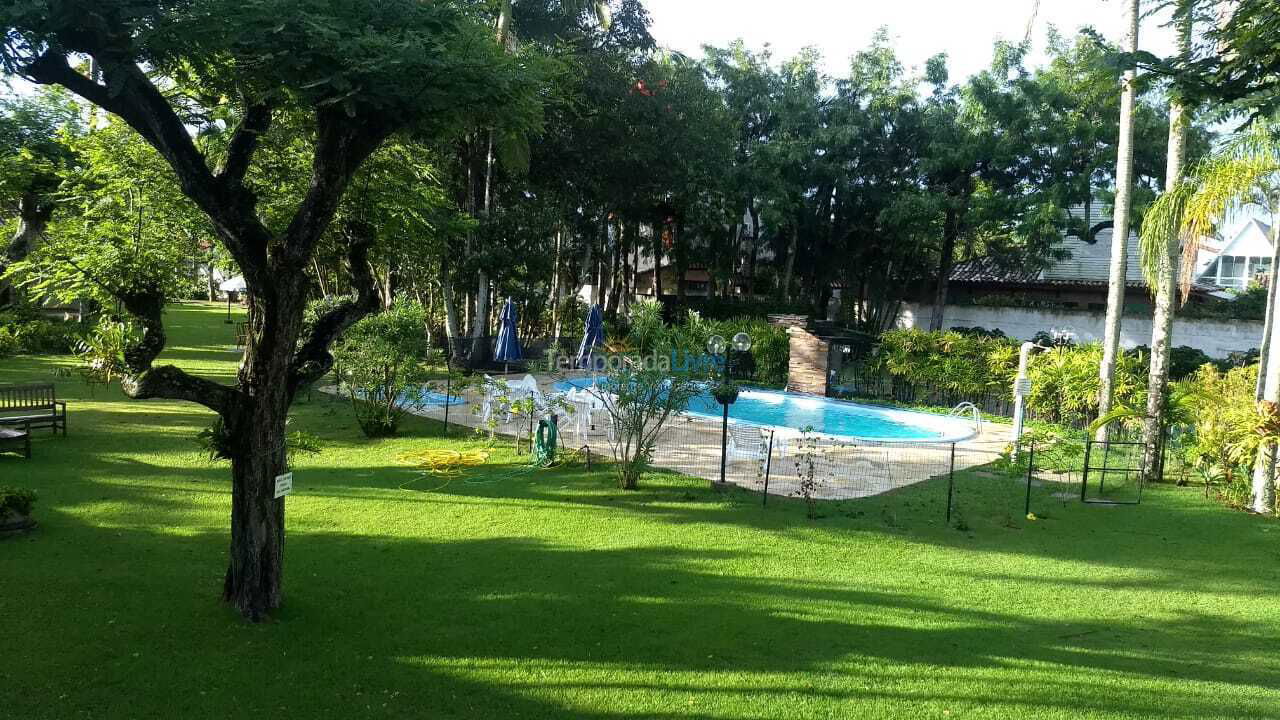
(1248,304)
(1225,437)
(1064,379)
(963,363)
(765,364)
(102,351)
(381,362)
(30,332)
(645,325)
(122,223)
(216,444)
(639,402)
(9,345)
(1064,384)
(16,500)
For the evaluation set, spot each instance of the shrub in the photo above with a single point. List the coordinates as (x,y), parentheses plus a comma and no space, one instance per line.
(638,403)
(645,327)
(765,364)
(381,363)
(32,333)
(16,500)
(1225,436)
(1065,384)
(215,442)
(102,350)
(1185,360)
(967,364)
(8,343)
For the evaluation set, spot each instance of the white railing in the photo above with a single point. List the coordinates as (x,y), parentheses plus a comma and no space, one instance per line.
(968,408)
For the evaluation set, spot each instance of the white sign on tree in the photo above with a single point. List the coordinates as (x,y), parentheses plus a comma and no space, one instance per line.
(284,485)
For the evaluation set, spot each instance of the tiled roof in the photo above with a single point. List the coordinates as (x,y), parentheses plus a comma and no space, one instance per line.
(1085,264)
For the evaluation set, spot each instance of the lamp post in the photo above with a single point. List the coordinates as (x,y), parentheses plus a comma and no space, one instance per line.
(1022,385)
(717,346)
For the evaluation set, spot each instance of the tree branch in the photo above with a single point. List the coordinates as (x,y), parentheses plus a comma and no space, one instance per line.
(342,144)
(130,94)
(172,383)
(244,142)
(313,359)
(168,382)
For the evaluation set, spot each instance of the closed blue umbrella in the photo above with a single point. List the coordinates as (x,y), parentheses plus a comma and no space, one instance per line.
(592,336)
(508,349)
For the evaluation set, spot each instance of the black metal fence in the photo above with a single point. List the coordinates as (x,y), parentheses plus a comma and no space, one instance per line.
(862,383)
(940,481)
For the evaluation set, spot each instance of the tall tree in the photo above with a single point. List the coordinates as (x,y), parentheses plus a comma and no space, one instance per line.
(34,148)
(429,67)
(1163,277)
(1120,231)
(1246,163)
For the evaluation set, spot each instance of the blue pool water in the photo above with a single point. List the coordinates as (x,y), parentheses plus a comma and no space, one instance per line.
(430,398)
(824,415)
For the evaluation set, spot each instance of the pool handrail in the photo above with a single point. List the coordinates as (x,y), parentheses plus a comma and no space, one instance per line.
(968,408)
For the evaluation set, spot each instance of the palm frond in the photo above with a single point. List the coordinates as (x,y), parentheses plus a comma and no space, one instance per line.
(1224,181)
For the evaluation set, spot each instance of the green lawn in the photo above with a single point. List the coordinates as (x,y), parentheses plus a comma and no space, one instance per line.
(518,594)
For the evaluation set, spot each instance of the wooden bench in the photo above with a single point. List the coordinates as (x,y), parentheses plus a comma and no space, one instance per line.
(32,405)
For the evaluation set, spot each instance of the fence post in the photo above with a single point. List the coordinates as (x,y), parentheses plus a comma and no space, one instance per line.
(1031,464)
(1084,476)
(951,482)
(529,437)
(448,391)
(768,464)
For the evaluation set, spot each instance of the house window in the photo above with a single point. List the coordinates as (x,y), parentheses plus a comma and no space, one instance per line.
(1235,271)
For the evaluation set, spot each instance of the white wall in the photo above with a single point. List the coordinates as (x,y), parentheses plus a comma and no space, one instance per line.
(1216,338)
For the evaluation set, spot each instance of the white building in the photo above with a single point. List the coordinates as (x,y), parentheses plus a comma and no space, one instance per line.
(1235,262)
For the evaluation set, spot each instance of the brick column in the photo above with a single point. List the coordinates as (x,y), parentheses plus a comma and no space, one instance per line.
(807,371)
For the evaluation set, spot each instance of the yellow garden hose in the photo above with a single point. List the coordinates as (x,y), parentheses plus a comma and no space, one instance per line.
(445,462)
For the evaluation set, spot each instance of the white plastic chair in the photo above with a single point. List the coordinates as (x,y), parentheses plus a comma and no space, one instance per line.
(490,388)
(747,442)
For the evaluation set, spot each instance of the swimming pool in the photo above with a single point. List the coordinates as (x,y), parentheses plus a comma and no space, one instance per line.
(838,418)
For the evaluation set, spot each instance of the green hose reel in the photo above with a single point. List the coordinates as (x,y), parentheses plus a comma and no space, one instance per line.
(544,442)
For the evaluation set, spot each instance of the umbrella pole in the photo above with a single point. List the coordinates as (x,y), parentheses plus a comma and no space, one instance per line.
(228,309)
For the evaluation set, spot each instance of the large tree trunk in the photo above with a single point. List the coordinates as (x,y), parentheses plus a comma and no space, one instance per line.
(553,295)
(1120,228)
(480,321)
(1166,289)
(753,252)
(792,247)
(682,262)
(950,232)
(657,261)
(33,219)
(1269,319)
(254,575)
(255,428)
(1264,490)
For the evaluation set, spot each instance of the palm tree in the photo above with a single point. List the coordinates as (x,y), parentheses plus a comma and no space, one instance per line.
(1230,178)
(1120,230)
(1163,280)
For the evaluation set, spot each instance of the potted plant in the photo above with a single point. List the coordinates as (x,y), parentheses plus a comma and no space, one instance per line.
(15,510)
(725,392)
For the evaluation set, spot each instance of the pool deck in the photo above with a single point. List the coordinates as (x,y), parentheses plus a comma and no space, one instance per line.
(690,444)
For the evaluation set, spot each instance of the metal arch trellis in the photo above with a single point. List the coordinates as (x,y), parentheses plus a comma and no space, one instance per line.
(1106,468)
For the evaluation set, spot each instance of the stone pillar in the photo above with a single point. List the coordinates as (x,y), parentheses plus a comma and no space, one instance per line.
(807,371)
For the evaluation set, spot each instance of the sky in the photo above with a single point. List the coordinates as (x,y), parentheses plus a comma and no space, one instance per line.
(965,29)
